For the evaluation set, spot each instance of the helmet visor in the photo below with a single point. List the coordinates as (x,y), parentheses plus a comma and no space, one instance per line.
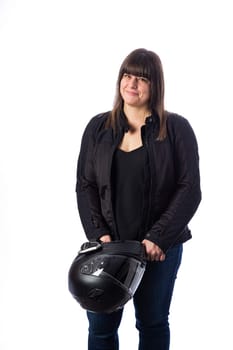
(125,270)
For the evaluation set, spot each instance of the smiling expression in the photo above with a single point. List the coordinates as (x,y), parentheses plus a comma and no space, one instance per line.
(135,90)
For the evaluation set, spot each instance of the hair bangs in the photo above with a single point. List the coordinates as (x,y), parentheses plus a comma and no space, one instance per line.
(139,69)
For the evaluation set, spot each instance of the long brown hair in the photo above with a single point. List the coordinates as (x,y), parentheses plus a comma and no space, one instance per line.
(144,63)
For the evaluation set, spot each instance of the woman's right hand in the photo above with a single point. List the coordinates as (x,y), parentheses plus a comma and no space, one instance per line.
(105,239)
(154,253)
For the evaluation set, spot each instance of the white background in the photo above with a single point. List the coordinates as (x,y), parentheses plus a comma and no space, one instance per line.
(59,62)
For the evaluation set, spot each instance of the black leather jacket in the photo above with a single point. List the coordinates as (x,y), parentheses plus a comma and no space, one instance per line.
(172,188)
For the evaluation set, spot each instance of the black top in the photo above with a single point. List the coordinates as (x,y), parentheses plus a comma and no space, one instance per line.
(172,188)
(128,174)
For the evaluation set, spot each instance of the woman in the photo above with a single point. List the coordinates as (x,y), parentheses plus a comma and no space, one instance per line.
(138,179)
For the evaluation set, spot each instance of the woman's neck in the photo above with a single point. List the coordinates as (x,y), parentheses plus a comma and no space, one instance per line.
(136,116)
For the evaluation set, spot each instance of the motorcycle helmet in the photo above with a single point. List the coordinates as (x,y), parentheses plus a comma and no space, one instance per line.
(104,276)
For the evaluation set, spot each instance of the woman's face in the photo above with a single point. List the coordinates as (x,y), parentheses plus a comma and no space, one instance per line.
(135,90)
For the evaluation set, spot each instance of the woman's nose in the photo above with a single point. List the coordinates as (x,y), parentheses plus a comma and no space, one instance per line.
(133,82)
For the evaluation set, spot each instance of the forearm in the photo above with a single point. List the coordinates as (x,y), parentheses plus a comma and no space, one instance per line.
(166,230)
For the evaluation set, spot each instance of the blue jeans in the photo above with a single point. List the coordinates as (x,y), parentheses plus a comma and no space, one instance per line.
(151,302)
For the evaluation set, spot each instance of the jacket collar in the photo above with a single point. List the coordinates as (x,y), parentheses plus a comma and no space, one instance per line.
(152,120)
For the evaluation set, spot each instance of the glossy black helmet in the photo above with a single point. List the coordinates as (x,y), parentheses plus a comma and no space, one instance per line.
(103,277)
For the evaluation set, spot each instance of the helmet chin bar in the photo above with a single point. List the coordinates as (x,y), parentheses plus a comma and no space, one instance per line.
(104,276)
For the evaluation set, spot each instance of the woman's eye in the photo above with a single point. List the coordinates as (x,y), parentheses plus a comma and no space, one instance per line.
(138,78)
(143,79)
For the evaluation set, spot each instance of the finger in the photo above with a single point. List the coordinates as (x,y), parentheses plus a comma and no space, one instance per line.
(150,257)
(153,257)
(162,257)
(157,257)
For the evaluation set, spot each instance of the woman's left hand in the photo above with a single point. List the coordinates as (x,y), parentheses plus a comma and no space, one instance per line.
(105,238)
(153,252)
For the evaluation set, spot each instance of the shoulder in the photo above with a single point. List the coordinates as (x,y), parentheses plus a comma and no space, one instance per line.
(178,124)
(180,131)
(176,120)
(98,119)
(96,123)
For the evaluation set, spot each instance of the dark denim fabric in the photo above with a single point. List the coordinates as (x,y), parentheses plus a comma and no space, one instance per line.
(152,303)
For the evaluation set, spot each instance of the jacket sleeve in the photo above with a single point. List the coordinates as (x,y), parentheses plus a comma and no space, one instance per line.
(87,192)
(187,196)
